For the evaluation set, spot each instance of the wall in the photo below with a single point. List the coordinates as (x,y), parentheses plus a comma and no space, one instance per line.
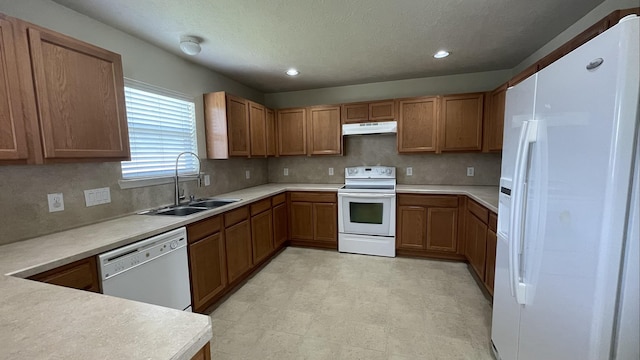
(23,189)
(430,169)
(579,26)
(438,85)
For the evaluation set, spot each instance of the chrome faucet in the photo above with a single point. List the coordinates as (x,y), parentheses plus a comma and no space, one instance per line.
(177,189)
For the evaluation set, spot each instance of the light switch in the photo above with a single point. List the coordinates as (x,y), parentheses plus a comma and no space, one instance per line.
(286,171)
(247,174)
(207,180)
(56,202)
(409,171)
(470,171)
(99,196)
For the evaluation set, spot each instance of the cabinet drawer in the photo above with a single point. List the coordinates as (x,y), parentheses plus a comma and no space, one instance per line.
(428,200)
(278,199)
(82,275)
(313,196)
(201,229)
(235,216)
(260,206)
(478,210)
(493,222)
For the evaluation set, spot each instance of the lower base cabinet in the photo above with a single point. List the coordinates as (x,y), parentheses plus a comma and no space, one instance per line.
(314,219)
(476,244)
(490,264)
(262,235)
(207,262)
(280,225)
(481,242)
(204,353)
(239,253)
(81,275)
(428,225)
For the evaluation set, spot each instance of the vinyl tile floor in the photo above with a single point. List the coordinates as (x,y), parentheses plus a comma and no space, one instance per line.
(318,304)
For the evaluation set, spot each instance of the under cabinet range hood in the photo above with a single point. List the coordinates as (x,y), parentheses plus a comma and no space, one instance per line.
(383,127)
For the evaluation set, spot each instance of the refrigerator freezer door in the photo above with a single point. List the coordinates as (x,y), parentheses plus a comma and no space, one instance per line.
(576,209)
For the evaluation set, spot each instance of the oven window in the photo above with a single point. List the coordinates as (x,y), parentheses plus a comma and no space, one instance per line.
(365,213)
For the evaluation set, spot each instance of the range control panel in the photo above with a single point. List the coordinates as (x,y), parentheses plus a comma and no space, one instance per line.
(370,172)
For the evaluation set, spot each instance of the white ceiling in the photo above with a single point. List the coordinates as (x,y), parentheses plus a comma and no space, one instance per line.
(343,42)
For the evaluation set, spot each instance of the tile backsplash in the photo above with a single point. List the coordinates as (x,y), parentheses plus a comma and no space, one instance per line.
(431,169)
(24,212)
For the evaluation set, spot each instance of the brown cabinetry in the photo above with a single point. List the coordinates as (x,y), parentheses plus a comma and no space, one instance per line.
(325,131)
(71,96)
(261,230)
(204,353)
(207,262)
(490,263)
(13,137)
(369,111)
(237,236)
(280,225)
(494,119)
(291,125)
(481,242)
(461,122)
(417,124)
(428,226)
(258,129)
(271,132)
(314,219)
(476,243)
(81,275)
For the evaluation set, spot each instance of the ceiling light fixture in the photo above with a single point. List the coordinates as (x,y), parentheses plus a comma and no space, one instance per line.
(190,45)
(293,72)
(441,54)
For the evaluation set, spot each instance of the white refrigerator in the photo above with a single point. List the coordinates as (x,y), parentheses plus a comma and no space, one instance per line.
(566,281)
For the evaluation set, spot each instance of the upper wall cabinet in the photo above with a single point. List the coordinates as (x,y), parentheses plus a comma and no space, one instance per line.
(72,94)
(237,127)
(324,131)
(271,132)
(460,124)
(494,119)
(291,125)
(417,124)
(369,111)
(13,139)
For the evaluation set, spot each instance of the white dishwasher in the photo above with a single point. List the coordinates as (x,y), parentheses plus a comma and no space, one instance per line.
(154,271)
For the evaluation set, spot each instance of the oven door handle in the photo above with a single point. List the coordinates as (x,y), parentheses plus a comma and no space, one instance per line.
(363,195)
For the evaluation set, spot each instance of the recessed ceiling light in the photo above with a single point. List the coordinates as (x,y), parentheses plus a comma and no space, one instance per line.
(441,54)
(293,72)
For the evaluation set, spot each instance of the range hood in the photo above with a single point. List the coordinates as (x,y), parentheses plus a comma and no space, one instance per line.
(383,127)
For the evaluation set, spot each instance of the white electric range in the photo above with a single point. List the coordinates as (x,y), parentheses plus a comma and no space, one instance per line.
(367,211)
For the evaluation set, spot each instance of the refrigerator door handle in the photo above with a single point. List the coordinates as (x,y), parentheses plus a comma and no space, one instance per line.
(528,135)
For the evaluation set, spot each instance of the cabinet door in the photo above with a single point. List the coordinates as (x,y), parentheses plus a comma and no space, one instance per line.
(325,131)
(355,113)
(279,224)
(490,267)
(442,229)
(301,215)
(382,110)
(238,126)
(325,222)
(494,119)
(417,119)
(461,122)
(271,132)
(81,275)
(238,247)
(207,262)
(292,132)
(476,243)
(257,129)
(411,231)
(262,235)
(13,141)
(80,97)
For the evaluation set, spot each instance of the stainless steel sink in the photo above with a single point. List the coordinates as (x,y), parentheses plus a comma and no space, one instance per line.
(192,207)
(212,203)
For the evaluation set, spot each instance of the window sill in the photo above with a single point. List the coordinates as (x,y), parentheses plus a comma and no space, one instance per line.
(138,183)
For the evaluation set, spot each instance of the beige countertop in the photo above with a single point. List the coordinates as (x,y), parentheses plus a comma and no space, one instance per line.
(38,318)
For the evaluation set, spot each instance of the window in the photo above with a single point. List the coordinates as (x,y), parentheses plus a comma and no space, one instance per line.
(161,126)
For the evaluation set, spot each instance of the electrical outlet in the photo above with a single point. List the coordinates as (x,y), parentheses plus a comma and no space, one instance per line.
(330,171)
(470,171)
(97,196)
(56,202)
(247,174)
(409,171)
(207,180)
(286,171)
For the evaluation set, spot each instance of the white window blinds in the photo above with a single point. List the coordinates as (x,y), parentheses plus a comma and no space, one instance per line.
(161,126)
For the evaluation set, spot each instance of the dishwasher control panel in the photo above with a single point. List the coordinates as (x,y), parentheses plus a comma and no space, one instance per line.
(122,259)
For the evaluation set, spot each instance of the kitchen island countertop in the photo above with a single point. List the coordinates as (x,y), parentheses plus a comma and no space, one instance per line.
(38,318)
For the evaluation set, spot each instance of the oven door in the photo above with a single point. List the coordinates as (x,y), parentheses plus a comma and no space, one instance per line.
(367,213)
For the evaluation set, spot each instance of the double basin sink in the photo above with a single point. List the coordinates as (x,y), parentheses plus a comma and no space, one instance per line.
(192,207)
